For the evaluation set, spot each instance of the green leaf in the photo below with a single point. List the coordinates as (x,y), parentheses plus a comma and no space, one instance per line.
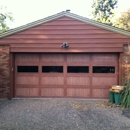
(125,95)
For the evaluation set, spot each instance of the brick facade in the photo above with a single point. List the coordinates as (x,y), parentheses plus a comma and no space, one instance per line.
(126,62)
(4,71)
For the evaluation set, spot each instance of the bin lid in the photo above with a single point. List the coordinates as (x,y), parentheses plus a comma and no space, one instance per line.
(117,87)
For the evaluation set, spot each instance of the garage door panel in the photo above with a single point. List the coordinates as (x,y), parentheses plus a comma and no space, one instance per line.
(105,75)
(78,64)
(105,64)
(27,63)
(78,86)
(100,93)
(78,58)
(52,80)
(51,74)
(78,75)
(27,75)
(52,58)
(49,92)
(52,86)
(74,92)
(104,81)
(27,92)
(78,80)
(27,57)
(65,75)
(100,86)
(27,85)
(27,80)
(104,58)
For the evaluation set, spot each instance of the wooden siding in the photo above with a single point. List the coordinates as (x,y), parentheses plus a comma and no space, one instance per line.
(82,37)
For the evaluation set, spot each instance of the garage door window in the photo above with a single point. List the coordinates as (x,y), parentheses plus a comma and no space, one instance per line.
(103,69)
(78,69)
(27,69)
(48,69)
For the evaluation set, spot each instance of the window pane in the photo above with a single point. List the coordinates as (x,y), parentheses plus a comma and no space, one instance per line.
(27,69)
(103,69)
(47,69)
(78,69)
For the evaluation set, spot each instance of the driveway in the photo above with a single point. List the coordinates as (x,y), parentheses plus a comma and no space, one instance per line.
(61,114)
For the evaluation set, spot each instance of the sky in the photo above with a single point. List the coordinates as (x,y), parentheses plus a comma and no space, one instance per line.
(26,11)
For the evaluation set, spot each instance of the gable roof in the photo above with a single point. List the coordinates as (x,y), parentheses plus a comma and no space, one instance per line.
(62,14)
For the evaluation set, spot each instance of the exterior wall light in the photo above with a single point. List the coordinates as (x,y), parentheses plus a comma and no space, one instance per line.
(65,45)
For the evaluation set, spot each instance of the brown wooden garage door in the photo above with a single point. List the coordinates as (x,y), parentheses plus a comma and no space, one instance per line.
(65,75)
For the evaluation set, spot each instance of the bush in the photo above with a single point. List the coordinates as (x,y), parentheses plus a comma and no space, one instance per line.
(125,95)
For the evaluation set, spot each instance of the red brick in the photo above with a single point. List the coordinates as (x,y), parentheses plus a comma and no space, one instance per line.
(4,72)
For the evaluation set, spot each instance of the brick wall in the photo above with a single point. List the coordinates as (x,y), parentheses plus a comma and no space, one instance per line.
(4,71)
(126,62)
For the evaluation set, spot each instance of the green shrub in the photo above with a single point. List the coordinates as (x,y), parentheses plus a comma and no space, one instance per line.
(125,95)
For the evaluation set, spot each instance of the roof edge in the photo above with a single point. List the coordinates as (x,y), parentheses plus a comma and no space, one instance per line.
(98,24)
(32,24)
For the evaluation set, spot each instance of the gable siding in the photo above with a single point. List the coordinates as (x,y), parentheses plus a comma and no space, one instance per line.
(81,37)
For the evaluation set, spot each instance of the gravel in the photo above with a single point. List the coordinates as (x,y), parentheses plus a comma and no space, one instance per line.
(61,114)
(126,112)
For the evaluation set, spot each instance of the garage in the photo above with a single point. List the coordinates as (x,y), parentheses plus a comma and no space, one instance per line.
(62,56)
(65,75)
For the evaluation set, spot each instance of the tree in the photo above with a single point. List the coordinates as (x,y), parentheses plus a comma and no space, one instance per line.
(122,21)
(5,18)
(102,10)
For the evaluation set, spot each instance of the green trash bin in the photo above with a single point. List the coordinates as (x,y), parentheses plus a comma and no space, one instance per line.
(117,98)
(111,97)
